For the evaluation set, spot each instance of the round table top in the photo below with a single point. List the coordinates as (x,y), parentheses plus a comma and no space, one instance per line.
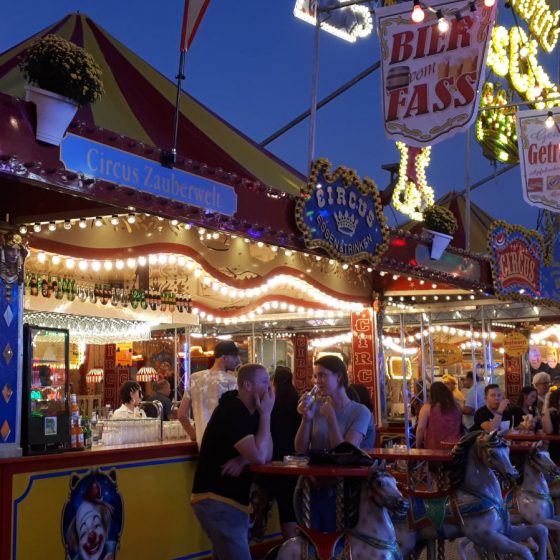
(279,467)
(516,436)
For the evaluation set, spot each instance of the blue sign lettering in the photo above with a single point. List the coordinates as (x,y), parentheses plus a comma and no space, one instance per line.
(111,164)
(341,214)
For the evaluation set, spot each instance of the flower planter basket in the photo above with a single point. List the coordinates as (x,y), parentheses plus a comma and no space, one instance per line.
(440,241)
(54,114)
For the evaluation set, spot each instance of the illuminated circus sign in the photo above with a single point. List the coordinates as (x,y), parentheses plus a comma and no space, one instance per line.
(341,214)
(517,260)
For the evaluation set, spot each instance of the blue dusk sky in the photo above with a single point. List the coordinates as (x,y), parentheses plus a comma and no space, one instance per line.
(251,63)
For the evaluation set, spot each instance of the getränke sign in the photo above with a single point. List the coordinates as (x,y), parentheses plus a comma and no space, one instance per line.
(341,214)
(431,79)
(539,157)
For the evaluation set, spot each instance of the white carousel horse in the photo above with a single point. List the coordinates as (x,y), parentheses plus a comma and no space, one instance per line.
(533,497)
(476,503)
(373,536)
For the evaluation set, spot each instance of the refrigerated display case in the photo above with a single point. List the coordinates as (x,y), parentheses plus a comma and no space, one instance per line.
(46,412)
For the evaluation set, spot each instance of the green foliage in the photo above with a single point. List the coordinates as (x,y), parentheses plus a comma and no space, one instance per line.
(440,219)
(57,65)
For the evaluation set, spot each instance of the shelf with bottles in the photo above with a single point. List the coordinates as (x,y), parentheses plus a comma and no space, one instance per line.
(58,287)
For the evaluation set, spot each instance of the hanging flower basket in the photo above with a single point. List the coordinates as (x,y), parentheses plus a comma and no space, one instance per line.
(441,224)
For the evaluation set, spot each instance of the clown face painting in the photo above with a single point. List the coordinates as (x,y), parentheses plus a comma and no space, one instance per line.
(92,517)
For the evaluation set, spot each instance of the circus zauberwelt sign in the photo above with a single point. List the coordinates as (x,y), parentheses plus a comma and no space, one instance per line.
(341,214)
(130,170)
(430,79)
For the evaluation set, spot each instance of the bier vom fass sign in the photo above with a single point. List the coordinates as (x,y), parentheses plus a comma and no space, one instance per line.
(341,214)
(130,170)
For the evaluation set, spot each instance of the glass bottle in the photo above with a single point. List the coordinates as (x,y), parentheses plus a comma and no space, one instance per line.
(44,287)
(87,432)
(34,289)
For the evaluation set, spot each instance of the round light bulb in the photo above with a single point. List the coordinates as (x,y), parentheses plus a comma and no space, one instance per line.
(41,257)
(83,265)
(114,220)
(55,260)
(418,15)
(82,223)
(131,218)
(69,263)
(549,122)
(443,25)
(23,230)
(67,224)
(98,222)
(52,226)
(36,228)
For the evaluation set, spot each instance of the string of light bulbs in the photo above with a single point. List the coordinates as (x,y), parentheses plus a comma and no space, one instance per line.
(277,281)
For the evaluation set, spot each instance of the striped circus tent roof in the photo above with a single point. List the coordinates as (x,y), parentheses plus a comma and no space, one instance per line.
(480,222)
(139,102)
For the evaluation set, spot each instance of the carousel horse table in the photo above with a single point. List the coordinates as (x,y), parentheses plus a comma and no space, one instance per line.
(385,485)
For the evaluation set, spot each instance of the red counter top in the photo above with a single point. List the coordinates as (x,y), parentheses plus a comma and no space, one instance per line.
(98,455)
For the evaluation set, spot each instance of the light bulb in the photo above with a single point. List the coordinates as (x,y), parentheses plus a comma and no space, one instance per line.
(23,230)
(443,24)
(67,224)
(55,259)
(52,226)
(41,257)
(36,228)
(489,3)
(82,265)
(69,263)
(98,222)
(131,218)
(174,222)
(82,223)
(549,122)
(108,265)
(417,15)
(114,220)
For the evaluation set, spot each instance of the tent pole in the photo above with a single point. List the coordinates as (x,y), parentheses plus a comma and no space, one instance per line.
(314,86)
(169,158)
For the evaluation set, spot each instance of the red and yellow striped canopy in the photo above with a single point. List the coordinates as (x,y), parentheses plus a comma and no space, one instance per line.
(139,102)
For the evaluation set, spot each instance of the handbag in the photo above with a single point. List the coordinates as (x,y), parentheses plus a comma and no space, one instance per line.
(344,454)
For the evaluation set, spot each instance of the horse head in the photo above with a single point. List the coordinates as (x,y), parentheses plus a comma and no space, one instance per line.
(539,460)
(382,489)
(493,452)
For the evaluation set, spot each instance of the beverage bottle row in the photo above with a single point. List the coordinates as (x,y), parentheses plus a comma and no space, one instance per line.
(59,288)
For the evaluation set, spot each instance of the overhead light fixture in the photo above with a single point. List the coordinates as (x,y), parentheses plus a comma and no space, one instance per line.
(52,226)
(82,223)
(114,220)
(23,230)
(131,218)
(98,222)
(67,224)
(36,228)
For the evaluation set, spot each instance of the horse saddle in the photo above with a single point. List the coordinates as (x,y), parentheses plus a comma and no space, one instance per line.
(325,546)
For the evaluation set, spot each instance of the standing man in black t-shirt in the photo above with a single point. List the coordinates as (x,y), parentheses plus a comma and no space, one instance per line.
(490,416)
(237,434)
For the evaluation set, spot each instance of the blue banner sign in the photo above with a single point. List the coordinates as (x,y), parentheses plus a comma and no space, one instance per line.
(100,161)
(341,214)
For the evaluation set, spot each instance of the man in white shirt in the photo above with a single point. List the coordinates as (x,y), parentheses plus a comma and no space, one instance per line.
(206,387)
